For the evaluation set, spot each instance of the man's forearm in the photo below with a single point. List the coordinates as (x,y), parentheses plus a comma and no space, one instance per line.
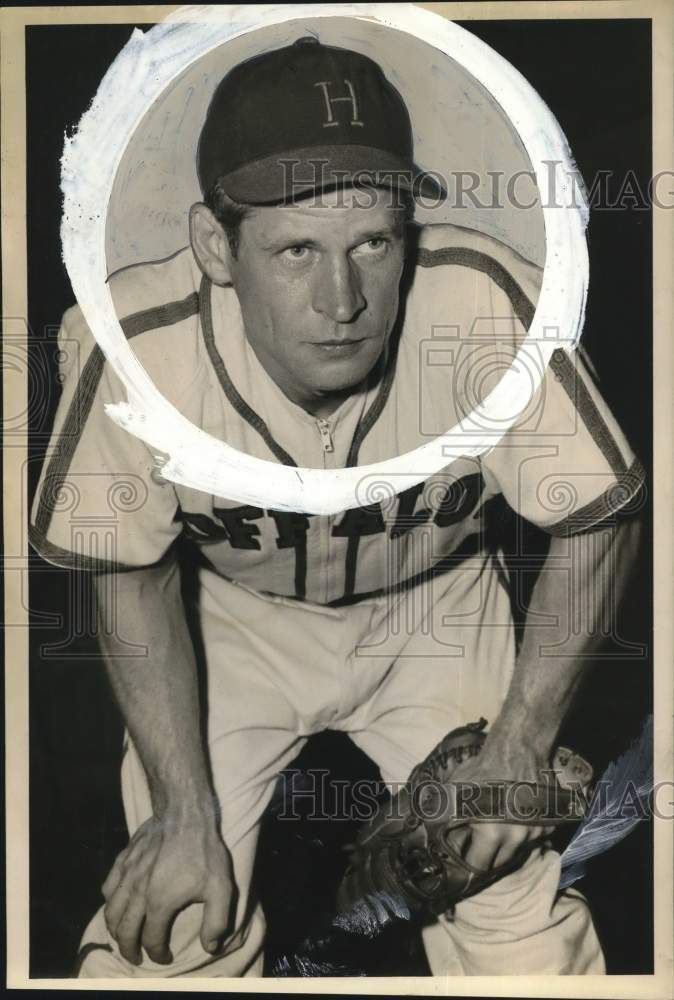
(157,692)
(585,601)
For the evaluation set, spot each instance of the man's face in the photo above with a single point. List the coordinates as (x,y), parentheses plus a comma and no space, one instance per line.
(318,288)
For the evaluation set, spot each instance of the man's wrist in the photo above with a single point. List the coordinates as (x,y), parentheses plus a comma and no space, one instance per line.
(522,729)
(194,804)
(537,702)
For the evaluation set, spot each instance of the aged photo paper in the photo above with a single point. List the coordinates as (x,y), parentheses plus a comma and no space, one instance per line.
(338,389)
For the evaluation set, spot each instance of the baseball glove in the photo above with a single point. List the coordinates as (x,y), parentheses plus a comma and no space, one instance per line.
(404,862)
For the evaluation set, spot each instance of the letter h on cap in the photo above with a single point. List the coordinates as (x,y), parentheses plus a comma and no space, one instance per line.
(329,101)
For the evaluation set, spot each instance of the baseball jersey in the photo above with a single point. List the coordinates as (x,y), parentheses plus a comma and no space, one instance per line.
(466,303)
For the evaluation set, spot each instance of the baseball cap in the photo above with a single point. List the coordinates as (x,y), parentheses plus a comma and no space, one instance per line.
(307,117)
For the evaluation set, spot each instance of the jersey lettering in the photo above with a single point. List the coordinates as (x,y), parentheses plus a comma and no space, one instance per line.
(459,498)
(354,525)
(239,534)
(360,521)
(406,518)
(200,527)
(292,530)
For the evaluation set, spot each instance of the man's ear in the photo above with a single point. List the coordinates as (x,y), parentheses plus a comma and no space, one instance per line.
(210,245)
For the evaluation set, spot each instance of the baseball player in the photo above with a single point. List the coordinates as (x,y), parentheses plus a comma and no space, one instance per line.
(310,322)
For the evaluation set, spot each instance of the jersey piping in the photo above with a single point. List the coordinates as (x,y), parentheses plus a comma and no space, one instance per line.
(59,463)
(230,390)
(478,261)
(367,422)
(463,257)
(82,401)
(577,392)
(254,419)
(610,502)
(158,316)
(470,546)
(563,368)
(571,382)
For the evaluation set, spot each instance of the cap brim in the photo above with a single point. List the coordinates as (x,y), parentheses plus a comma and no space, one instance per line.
(291,174)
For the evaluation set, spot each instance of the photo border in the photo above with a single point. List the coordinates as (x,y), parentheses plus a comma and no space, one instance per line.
(13,21)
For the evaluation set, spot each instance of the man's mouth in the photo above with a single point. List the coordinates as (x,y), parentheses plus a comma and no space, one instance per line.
(341,346)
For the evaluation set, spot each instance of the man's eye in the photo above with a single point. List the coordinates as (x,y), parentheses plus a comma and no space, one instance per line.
(296,253)
(376,245)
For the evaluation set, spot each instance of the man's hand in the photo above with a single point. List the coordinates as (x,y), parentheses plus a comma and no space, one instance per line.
(490,845)
(177,857)
(169,863)
(521,740)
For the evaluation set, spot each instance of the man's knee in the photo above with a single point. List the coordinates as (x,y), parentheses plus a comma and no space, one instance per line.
(521,925)
(241,953)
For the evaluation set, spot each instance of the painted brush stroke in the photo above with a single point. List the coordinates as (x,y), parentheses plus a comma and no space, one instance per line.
(622,800)
(146,66)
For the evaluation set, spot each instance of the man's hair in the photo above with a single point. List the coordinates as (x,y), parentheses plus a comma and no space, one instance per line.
(230,214)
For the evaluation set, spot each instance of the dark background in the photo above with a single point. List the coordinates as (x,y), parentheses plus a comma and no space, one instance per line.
(596,77)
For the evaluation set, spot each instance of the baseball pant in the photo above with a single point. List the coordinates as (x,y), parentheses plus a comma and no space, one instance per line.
(396,675)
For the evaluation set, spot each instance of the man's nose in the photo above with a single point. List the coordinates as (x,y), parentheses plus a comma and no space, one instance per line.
(338,293)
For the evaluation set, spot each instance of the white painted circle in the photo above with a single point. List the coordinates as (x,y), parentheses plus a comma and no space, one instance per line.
(145,67)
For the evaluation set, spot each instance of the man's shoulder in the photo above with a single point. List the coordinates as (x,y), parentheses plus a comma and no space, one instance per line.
(442,246)
(466,290)
(157,304)
(149,295)
(153,294)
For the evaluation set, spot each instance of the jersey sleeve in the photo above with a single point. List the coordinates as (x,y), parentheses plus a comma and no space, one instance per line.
(100,504)
(565,465)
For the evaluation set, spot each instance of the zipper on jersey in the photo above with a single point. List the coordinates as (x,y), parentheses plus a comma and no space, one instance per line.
(325,521)
(326,436)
